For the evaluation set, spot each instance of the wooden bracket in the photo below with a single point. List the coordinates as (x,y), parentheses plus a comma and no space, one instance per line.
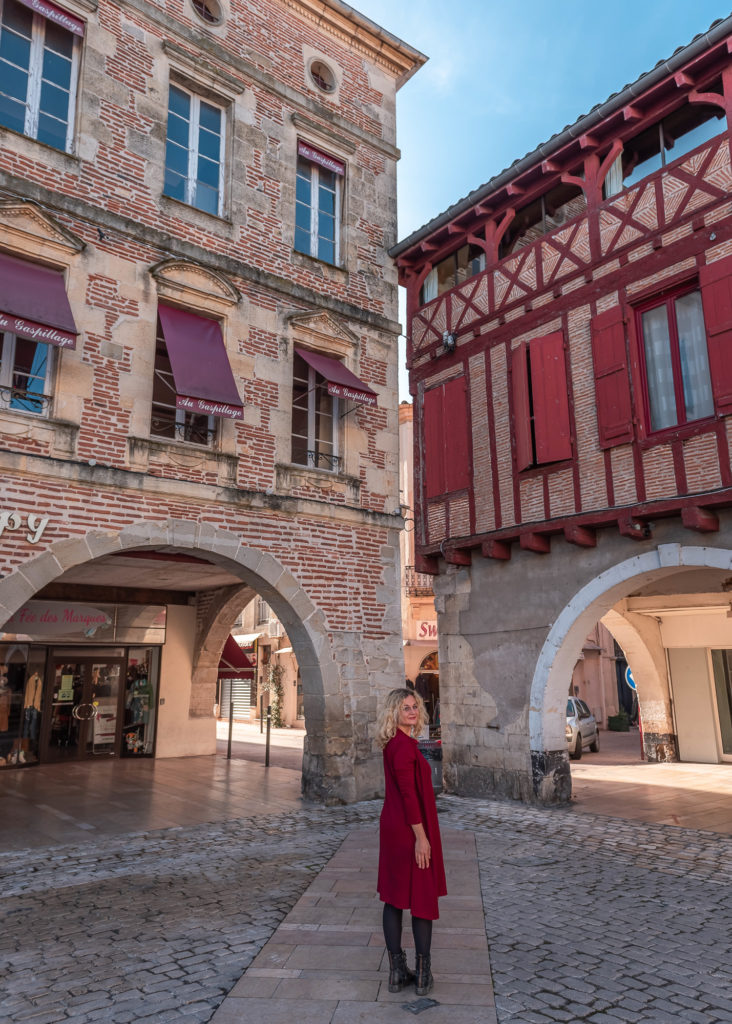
(581,536)
(634,529)
(700,519)
(459,556)
(427,564)
(496,549)
(537,542)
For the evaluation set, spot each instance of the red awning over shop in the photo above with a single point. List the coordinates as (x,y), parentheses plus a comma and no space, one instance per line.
(51,12)
(341,382)
(202,374)
(34,303)
(234,662)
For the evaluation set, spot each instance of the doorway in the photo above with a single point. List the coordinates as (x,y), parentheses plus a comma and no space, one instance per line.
(87,692)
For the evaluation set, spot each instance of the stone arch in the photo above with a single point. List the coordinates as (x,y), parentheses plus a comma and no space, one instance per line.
(594,601)
(327,776)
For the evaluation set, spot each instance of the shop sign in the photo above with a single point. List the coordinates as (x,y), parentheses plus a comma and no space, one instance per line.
(104,623)
(426,630)
(54,618)
(33,523)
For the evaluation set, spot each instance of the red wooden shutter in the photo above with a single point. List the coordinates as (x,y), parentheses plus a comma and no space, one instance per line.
(457,435)
(552,435)
(434,441)
(612,383)
(521,411)
(716,289)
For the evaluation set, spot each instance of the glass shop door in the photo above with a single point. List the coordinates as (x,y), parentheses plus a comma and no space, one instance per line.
(85,705)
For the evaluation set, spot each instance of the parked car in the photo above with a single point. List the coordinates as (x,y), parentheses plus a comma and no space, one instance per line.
(582,729)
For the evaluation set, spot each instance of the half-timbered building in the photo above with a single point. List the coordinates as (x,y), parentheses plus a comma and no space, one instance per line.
(570,358)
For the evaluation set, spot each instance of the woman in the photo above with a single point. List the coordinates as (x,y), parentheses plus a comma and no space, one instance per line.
(411,870)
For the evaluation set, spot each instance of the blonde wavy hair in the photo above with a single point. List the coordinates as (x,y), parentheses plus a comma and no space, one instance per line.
(386,723)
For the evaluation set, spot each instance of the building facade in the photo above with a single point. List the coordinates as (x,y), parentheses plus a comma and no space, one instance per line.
(198,374)
(570,359)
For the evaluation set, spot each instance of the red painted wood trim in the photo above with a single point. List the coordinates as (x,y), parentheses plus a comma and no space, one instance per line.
(458,556)
(496,549)
(580,535)
(723,454)
(609,482)
(426,563)
(677,453)
(498,512)
(537,542)
(700,519)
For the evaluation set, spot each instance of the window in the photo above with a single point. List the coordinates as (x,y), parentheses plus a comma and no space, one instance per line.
(545,214)
(208,11)
(194,154)
(315,419)
(676,361)
(667,140)
(322,76)
(317,204)
(263,610)
(38,74)
(24,374)
(167,421)
(540,402)
(459,266)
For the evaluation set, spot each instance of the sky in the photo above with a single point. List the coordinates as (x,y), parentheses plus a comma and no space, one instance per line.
(503,77)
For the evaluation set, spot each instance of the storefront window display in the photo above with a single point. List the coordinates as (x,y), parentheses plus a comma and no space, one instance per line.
(22,668)
(140,702)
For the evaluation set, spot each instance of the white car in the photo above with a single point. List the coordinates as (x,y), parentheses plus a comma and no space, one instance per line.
(582,729)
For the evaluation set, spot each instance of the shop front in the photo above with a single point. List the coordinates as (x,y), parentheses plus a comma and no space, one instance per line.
(79,682)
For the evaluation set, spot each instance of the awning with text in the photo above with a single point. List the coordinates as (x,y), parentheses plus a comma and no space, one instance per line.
(204,382)
(341,382)
(34,303)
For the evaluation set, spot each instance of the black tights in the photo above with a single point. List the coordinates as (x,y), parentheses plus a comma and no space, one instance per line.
(421,930)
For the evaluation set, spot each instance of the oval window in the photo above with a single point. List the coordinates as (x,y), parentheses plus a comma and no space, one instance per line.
(208,11)
(322,76)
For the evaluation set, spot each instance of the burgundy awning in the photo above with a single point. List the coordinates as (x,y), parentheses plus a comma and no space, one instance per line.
(53,13)
(203,379)
(341,382)
(234,662)
(34,303)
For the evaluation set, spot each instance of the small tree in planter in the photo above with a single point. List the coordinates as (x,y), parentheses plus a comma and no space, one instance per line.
(272,686)
(619,722)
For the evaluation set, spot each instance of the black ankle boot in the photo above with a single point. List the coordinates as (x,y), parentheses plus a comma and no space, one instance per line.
(424,980)
(399,973)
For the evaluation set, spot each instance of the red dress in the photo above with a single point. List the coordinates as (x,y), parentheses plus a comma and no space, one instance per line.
(408,800)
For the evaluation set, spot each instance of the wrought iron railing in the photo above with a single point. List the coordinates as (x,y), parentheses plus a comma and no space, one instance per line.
(417,584)
(324,461)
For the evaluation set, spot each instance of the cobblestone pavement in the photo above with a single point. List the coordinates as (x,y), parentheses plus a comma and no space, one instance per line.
(600,920)
(589,919)
(153,927)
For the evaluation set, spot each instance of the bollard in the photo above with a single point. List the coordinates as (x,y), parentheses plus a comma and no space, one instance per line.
(231,720)
(266,746)
(261,713)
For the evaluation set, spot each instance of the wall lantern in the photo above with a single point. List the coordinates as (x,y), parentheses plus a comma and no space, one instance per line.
(449,341)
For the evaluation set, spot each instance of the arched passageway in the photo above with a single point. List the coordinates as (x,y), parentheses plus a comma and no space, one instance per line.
(201,577)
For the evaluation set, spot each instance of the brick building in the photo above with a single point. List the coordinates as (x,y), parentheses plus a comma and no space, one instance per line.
(570,359)
(198,372)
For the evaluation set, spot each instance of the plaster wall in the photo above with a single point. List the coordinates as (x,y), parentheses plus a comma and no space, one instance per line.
(179,734)
(695,715)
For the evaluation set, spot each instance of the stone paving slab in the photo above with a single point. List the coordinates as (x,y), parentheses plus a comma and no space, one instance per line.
(354,971)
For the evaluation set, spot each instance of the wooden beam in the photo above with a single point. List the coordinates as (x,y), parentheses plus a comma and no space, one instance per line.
(581,536)
(537,542)
(550,167)
(588,142)
(459,556)
(683,80)
(699,519)
(496,549)
(630,527)
(427,564)
(631,113)
(515,190)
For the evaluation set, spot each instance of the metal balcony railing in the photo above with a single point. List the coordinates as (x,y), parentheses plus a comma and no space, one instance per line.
(417,584)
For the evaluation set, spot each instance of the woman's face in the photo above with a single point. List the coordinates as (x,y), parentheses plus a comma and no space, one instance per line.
(408,714)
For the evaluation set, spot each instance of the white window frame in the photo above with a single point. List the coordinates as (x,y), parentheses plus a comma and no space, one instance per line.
(194,125)
(8,342)
(336,458)
(35,80)
(315,211)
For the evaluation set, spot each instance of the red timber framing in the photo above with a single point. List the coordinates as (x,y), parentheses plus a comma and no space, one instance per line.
(554,391)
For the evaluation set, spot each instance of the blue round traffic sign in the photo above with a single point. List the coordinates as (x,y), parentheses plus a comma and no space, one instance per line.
(629,678)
